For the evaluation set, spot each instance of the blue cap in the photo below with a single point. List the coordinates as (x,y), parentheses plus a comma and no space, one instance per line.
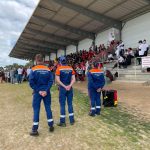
(62,59)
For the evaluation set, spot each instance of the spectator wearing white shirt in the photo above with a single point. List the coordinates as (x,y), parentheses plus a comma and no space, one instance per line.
(121,62)
(20,71)
(145,47)
(141,51)
(110,57)
(117,52)
(28,72)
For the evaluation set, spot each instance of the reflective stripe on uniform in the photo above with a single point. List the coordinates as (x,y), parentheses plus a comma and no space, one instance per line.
(50,120)
(66,69)
(72,114)
(62,116)
(98,106)
(35,123)
(92,108)
(97,72)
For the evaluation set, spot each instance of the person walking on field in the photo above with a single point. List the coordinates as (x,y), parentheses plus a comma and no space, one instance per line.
(65,77)
(41,80)
(96,82)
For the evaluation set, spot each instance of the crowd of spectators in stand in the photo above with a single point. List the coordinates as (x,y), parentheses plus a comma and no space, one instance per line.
(116,51)
(14,75)
(81,61)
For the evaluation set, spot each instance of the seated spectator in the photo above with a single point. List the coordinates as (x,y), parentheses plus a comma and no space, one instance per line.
(121,62)
(130,52)
(110,57)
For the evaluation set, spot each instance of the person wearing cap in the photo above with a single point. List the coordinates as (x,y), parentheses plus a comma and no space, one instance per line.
(41,80)
(96,82)
(65,77)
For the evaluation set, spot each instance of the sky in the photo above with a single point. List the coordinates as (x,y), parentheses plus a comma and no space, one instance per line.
(14,15)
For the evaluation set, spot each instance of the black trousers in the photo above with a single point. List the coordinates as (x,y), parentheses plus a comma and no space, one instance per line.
(139,59)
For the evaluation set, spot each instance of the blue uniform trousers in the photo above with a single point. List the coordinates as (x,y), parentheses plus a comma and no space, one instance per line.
(36,109)
(63,95)
(95,101)
(19,78)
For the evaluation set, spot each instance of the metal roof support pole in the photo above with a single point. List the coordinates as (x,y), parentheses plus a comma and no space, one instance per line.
(49,56)
(119,37)
(93,43)
(56,54)
(43,57)
(65,52)
(77,48)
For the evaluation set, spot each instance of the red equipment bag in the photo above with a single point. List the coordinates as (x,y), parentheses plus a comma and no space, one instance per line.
(109,98)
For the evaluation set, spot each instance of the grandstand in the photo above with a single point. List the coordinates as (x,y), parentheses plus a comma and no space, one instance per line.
(60,27)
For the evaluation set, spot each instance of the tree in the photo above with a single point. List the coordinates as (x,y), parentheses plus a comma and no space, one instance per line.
(29,64)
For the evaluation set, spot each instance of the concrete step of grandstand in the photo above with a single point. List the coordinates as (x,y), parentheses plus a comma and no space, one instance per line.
(127,71)
(138,69)
(143,79)
(128,74)
(131,76)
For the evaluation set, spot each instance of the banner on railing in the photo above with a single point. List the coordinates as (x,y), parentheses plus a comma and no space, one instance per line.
(146,62)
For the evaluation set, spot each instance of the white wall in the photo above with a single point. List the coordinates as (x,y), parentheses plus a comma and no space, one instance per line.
(102,38)
(85,44)
(60,53)
(46,58)
(135,30)
(70,49)
(53,56)
(105,36)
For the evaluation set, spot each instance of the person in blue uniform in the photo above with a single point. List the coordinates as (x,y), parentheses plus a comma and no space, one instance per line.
(41,80)
(96,82)
(65,77)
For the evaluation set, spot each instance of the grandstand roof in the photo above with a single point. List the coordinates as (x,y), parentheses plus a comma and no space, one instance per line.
(58,23)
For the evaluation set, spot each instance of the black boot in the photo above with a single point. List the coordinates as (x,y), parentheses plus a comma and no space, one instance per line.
(92,115)
(72,123)
(51,129)
(98,113)
(34,133)
(61,124)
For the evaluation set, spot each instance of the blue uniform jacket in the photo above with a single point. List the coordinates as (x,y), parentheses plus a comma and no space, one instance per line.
(96,79)
(65,73)
(40,78)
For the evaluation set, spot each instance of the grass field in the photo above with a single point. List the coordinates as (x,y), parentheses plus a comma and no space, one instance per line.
(115,129)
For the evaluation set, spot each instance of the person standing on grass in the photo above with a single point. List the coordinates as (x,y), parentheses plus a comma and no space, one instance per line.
(2,75)
(41,80)
(96,82)
(28,72)
(19,77)
(65,77)
(12,74)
